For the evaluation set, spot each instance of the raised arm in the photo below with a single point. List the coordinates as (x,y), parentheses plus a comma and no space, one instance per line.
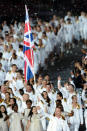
(59,83)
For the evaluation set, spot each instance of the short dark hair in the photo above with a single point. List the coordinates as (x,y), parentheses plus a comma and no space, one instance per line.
(14,65)
(60,94)
(8,93)
(21,91)
(5,82)
(29,101)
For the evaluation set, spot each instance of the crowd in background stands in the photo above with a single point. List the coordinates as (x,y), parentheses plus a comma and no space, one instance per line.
(57,35)
(38,106)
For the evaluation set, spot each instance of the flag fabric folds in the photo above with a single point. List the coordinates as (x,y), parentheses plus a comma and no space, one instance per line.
(28,50)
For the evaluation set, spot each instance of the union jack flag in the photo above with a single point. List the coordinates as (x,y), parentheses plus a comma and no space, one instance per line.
(28,49)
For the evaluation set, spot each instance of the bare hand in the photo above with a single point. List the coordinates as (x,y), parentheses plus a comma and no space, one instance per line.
(59,78)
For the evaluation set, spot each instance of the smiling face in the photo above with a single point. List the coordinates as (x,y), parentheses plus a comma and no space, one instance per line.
(29,88)
(14,68)
(74,99)
(48,87)
(58,112)
(18,75)
(11,101)
(2,109)
(40,80)
(3,89)
(34,110)
(7,95)
(25,97)
(70,88)
(29,105)
(45,95)
(44,83)
(15,108)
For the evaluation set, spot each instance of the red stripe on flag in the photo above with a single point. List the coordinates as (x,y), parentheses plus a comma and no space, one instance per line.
(26,43)
(30,56)
(26,27)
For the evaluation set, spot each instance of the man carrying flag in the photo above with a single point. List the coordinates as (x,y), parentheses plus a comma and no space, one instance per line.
(28,50)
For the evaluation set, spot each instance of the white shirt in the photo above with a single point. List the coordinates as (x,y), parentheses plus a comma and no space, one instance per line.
(57,124)
(10,75)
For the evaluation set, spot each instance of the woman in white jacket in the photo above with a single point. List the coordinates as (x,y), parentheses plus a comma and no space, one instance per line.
(3,124)
(77,118)
(15,120)
(57,122)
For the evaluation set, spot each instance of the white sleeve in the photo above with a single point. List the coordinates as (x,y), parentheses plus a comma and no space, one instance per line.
(65,126)
(83,95)
(59,84)
(48,116)
(7,78)
(79,99)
